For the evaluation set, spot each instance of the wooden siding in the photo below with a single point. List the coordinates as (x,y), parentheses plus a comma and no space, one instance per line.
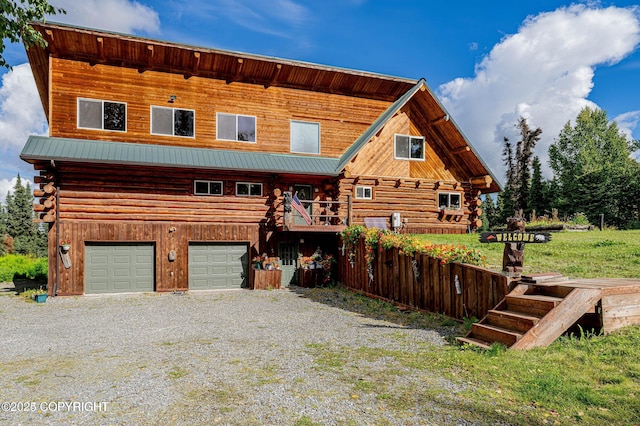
(169,276)
(342,118)
(433,288)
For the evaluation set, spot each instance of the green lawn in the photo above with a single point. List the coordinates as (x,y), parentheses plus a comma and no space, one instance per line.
(593,254)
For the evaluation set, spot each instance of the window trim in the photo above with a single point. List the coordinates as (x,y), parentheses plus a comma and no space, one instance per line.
(395,153)
(449,206)
(196,181)
(102,101)
(364,188)
(249,194)
(255,120)
(291,138)
(172,121)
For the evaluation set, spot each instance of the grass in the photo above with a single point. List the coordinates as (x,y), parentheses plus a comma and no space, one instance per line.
(588,379)
(593,254)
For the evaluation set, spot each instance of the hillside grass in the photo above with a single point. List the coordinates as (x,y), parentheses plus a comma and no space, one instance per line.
(593,254)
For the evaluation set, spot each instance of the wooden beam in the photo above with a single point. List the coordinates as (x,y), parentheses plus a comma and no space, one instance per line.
(461,150)
(100,42)
(51,45)
(196,63)
(440,120)
(274,76)
(481,181)
(238,72)
(150,53)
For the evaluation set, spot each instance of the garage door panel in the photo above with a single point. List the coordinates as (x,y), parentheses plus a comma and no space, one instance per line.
(217,266)
(119,268)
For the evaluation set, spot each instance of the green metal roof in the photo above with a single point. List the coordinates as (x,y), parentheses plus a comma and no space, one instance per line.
(79,150)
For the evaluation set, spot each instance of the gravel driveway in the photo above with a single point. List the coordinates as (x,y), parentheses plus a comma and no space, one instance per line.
(226,357)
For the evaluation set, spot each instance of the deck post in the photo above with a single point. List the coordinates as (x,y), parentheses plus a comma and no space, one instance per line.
(288,215)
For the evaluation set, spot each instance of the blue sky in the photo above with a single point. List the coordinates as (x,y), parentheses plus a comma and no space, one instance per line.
(489,62)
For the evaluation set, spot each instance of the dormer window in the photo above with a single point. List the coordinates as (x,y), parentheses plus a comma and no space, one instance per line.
(172,121)
(409,148)
(102,115)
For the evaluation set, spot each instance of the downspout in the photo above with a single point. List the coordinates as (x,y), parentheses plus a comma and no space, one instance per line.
(56,242)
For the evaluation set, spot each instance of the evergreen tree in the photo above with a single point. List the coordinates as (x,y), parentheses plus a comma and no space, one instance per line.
(595,173)
(538,192)
(524,152)
(3,230)
(490,213)
(28,237)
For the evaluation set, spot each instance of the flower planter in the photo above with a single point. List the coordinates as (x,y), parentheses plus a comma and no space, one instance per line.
(40,298)
(264,279)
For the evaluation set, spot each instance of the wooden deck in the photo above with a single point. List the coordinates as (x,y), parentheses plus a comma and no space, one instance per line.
(542,308)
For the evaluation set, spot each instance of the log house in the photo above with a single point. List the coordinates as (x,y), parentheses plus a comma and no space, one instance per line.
(166,166)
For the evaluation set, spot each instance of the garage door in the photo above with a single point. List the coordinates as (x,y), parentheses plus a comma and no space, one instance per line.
(119,268)
(217,266)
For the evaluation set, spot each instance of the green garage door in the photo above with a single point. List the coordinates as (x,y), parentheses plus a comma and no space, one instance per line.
(118,268)
(218,266)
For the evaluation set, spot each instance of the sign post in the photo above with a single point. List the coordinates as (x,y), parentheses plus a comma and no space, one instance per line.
(514,238)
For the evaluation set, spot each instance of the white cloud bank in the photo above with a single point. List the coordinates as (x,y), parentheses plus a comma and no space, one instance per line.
(543,73)
(123,16)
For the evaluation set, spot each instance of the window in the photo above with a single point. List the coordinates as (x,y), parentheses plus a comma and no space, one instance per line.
(172,121)
(102,115)
(363,192)
(245,189)
(409,147)
(449,200)
(305,137)
(206,187)
(233,127)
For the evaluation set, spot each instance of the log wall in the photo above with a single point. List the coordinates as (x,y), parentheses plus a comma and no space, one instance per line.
(432,289)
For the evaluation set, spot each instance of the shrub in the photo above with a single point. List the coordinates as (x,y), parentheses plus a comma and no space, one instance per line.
(15,265)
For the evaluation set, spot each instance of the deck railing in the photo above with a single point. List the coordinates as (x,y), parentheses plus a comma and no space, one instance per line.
(334,215)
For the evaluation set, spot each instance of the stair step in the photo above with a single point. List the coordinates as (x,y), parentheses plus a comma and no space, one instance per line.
(491,333)
(534,304)
(474,341)
(516,321)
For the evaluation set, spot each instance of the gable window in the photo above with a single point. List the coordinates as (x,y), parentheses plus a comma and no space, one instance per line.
(234,127)
(207,187)
(449,201)
(363,192)
(172,121)
(409,147)
(102,115)
(305,137)
(247,189)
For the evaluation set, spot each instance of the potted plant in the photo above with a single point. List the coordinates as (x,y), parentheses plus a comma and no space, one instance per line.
(39,295)
(65,245)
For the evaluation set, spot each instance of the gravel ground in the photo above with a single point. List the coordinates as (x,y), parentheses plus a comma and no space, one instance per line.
(226,357)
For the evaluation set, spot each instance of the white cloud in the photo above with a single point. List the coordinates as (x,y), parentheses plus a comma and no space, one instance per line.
(544,73)
(7,185)
(123,16)
(21,112)
(627,122)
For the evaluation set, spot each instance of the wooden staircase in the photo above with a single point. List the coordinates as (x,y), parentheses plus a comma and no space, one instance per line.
(533,315)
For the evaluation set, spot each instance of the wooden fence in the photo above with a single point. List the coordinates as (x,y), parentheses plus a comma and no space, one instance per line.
(421,282)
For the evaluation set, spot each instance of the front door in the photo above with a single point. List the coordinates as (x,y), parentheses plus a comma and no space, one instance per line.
(288,254)
(305,193)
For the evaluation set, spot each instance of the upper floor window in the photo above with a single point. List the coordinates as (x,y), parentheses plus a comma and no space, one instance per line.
(449,200)
(102,115)
(207,187)
(409,147)
(248,189)
(234,127)
(364,192)
(172,121)
(305,137)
